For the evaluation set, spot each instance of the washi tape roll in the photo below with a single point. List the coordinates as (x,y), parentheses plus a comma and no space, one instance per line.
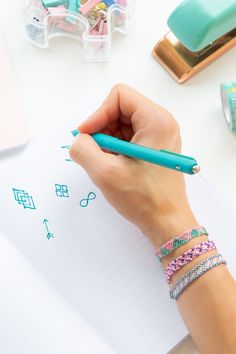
(228,96)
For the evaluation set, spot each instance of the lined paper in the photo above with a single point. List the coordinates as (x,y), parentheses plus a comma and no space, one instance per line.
(33,318)
(97,262)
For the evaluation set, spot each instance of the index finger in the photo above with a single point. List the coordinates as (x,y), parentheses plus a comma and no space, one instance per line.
(121,104)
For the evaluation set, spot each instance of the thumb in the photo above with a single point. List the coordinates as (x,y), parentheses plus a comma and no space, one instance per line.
(86,152)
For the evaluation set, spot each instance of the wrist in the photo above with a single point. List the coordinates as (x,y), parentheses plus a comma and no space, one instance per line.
(163,228)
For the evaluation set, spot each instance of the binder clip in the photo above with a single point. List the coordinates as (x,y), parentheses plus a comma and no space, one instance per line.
(201,31)
(228,97)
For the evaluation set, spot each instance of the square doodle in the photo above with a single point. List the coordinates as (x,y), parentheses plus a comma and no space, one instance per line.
(62,190)
(24,199)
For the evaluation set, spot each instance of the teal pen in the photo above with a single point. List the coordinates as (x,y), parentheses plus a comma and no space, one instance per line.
(163,158)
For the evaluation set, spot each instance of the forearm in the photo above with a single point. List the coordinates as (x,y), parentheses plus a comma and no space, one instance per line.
(208,305)
(154,199)
(208,308)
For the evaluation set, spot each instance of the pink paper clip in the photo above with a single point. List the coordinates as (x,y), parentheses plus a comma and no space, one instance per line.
(100,28)
(94,30)
(57,18)
(67,27)
(122,2)
(104,28)
(57,11)
(88,6)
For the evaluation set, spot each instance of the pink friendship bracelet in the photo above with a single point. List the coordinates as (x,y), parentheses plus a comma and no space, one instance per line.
(187,257)
(185,237)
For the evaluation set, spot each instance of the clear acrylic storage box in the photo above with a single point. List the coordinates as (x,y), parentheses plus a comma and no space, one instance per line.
(90,21)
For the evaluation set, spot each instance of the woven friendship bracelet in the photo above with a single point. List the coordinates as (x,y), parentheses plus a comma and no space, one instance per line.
(185,237)
(187,257)
(195,273)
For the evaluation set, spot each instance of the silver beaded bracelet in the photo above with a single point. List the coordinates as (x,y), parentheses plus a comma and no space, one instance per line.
(195,273)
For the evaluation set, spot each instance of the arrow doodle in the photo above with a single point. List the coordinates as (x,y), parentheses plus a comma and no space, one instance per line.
(49,234)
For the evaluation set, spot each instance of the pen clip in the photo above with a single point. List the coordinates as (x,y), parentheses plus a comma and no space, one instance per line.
(181,156)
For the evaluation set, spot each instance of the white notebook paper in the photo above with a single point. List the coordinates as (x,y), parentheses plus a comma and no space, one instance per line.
(76,273)
(13,130)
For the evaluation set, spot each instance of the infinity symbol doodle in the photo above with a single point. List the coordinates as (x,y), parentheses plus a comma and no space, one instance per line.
(84,202)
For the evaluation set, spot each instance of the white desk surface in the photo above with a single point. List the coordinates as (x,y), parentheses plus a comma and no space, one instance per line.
(50,82)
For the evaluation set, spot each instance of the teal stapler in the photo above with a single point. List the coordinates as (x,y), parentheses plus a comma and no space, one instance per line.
(201,31)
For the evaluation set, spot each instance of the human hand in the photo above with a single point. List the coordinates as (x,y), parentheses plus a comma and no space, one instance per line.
(150,196)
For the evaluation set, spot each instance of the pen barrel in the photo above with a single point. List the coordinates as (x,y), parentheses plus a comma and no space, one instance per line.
(159,157)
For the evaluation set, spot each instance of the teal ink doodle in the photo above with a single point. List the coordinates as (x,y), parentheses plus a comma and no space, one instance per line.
(49,234)
(84,202)
(24,199)
(62,190)
(67,147)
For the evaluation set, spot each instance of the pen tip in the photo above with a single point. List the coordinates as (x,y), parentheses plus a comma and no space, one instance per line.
(75,132)
(196,169)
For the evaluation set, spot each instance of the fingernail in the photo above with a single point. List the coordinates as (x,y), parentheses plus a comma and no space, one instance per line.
(75,132)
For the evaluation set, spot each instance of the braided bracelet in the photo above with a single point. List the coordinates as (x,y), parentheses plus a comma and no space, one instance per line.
(185,237)
(187,257)
(195,273)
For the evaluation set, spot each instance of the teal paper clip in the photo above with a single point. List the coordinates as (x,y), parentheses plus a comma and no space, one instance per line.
(162,158)
(53,3)
(228,96)
(73,5)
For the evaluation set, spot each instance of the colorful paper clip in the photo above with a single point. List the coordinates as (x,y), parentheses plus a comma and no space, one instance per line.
(89,21)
